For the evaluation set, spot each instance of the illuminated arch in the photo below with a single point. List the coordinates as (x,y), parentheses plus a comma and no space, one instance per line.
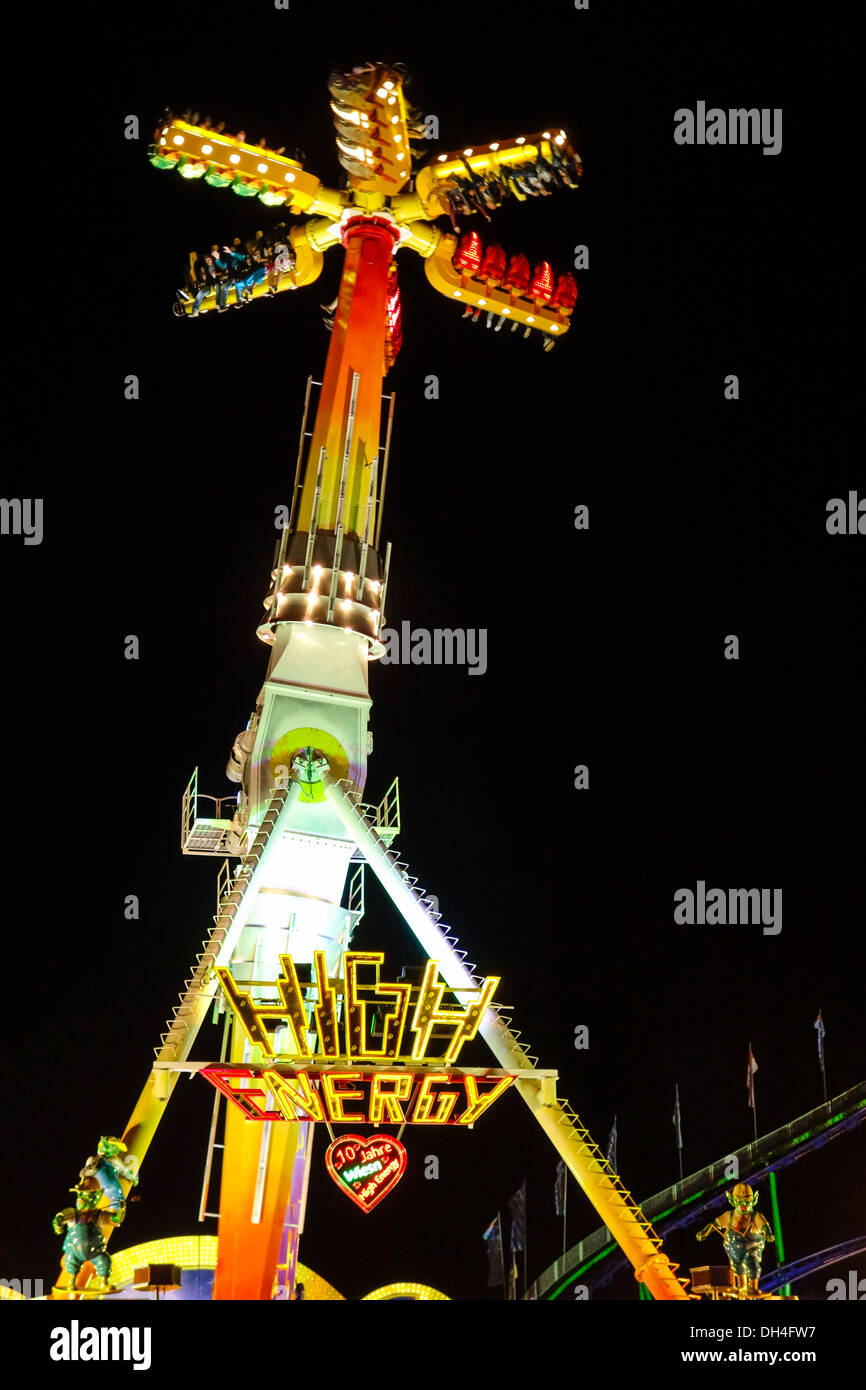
(200,1252)
(417,1292)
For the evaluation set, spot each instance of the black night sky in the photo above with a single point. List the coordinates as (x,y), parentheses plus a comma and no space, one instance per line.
(605,647)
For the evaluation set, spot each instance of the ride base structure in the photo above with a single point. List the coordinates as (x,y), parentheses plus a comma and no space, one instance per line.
(314,1031)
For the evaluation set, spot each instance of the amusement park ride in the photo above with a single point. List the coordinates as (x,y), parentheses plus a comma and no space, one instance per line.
(316,1032)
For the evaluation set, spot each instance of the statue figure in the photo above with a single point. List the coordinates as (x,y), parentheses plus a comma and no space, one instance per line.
(108,1165)
(100,1205)
(745,1232)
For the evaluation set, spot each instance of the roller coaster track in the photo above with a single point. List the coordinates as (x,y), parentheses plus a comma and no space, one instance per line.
(810,1264)
(595,1260)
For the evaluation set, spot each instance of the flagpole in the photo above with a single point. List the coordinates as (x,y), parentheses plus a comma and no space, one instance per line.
(754,1103)
(819,1024)
(502,1260)
(525,1241)
(564,1210)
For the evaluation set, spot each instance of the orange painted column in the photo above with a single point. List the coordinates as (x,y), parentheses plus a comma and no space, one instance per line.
(248,1250)
(357,345)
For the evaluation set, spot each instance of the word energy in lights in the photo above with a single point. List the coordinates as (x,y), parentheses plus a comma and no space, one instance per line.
(398,1095)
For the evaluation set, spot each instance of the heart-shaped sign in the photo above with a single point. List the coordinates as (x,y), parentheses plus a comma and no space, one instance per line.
(366,1169)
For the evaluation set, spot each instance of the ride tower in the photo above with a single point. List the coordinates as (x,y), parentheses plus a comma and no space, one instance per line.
(278,961)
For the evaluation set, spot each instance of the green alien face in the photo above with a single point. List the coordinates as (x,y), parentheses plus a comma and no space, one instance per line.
(110,1147)
(743,1199)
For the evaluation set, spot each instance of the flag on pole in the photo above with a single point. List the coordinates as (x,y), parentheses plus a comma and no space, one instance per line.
(611,1147)
(677,1119)
(751,1068)
(559,1188)
(821,1030)
(517,1207)
(495,1263)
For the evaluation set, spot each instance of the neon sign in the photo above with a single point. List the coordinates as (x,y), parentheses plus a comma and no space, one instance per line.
(287,1007)
(393,1095)
(366,1170)
(357,1049)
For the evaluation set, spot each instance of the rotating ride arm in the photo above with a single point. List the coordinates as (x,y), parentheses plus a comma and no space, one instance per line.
(250,171)
(497,164)
(373,128)
(307,243)
(525,307)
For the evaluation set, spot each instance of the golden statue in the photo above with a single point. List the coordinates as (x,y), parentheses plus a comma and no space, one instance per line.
(745,1232)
